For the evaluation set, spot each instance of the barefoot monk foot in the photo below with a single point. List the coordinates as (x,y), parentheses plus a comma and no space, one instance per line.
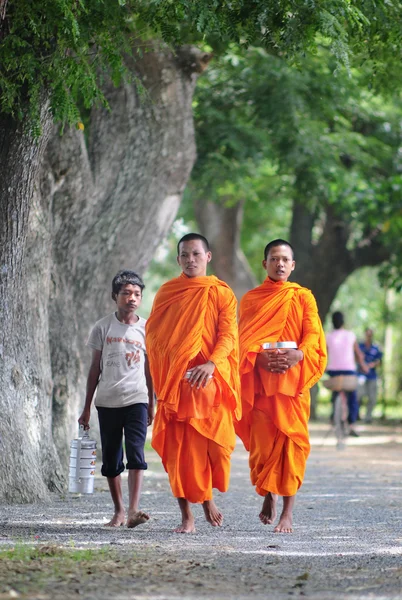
(285,524)
(268,511)
(212,513)
(187,526)
(187,518)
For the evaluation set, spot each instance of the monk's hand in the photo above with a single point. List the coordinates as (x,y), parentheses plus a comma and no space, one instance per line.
(272,361)
(293,356)
(279,360)
(201,374)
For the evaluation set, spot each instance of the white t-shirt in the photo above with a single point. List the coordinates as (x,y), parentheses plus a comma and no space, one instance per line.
(341,354)
(122,381)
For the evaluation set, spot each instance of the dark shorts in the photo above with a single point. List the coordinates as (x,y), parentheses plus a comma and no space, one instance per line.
(133,421)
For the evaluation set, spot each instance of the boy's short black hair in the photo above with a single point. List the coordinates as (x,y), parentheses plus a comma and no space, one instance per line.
(275,243)
(193,236)
(337,320)
(123,277)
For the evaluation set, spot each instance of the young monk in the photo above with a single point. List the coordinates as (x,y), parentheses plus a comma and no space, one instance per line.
(192,344)
(275,383)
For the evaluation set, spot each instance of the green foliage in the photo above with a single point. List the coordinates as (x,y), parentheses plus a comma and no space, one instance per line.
(65,47)
(362,300)
(283,27)
(26,553)
(36,570)
(272,133)
(61,47)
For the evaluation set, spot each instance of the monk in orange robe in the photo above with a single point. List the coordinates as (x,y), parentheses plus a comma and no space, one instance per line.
(192,345)
(275,383)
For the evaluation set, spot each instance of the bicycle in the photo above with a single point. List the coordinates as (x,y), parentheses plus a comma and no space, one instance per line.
(341,384)
(340,418)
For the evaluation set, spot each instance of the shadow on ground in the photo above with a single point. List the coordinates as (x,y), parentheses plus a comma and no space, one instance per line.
(347,541)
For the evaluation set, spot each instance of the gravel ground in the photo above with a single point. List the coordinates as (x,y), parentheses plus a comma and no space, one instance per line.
(347,541)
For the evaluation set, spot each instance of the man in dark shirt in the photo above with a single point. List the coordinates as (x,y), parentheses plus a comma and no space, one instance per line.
(368,386)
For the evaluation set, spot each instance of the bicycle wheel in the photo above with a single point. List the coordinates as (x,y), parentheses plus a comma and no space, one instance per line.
(338,421)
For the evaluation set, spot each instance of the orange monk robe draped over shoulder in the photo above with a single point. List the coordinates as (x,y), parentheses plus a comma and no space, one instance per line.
(276,407)
(194,320)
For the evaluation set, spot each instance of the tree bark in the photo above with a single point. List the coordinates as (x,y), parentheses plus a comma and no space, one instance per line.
(28,462)
(324,266)
(101,203)
(221,225)
(321,266)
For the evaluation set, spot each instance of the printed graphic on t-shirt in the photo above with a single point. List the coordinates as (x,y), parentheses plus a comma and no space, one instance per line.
(122,381)
(113,360)
(133,359)
(117,359)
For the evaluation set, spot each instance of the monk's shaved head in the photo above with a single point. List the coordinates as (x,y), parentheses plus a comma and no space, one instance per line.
(194,236)
(276,243)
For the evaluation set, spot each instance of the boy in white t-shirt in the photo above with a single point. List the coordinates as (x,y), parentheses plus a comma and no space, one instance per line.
(124,399)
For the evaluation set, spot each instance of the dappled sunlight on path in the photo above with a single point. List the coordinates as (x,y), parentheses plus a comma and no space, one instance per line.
(347,541)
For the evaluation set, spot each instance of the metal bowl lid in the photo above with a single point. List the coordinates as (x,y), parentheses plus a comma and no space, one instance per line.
(271,345)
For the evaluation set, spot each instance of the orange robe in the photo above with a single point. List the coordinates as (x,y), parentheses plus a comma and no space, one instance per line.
(276,406)
(193,320)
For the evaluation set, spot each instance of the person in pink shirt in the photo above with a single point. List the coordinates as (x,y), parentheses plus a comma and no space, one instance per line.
(343,352)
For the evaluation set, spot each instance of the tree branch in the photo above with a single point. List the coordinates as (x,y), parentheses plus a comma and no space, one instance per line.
(371,255)
(3,6)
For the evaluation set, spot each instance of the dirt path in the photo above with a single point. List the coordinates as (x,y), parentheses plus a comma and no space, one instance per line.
(347,541)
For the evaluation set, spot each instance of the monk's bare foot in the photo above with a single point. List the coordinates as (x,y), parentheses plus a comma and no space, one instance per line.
(212,513)
(118,520)
(187,517)
(136,517)
(187,526)
(285,524)
(268,511)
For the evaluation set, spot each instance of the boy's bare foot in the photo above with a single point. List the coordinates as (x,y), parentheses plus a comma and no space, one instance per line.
(117,520)
(187,526)
(212,513)
(136,518)
(285,524)
(268,511)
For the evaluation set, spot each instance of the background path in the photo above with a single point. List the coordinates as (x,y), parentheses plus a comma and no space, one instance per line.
(347,541)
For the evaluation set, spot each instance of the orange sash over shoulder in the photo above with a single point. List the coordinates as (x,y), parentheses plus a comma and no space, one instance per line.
(272,312)
(185,327)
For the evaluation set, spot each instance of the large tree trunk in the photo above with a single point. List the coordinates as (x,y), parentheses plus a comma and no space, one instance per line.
(221,225)
(28,461)
(100,204)
(324,266)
